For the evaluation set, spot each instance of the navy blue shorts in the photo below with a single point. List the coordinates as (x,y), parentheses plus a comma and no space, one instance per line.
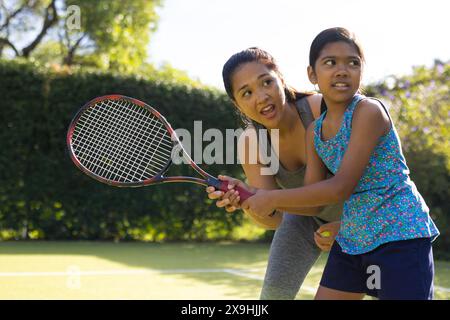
(394,271)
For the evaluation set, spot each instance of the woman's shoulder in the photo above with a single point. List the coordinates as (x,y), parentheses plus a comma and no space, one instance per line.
(314,101)
(249,128)
(249,132)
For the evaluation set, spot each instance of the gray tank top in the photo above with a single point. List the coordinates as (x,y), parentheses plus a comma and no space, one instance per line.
(293,179)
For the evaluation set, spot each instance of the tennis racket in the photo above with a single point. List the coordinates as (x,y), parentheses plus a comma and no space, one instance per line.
(124,142)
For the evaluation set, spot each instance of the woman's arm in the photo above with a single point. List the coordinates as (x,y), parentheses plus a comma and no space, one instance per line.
(252,170)
(370,122)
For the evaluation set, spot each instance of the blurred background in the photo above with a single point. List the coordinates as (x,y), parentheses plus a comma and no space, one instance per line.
(55,55)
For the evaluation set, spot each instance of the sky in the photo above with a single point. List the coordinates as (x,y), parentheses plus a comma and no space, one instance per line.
(198,36)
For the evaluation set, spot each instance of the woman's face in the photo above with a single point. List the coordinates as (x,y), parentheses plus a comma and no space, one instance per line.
(259,93)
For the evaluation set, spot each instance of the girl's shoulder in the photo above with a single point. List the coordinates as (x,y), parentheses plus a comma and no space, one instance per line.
(370,111)
(370,106)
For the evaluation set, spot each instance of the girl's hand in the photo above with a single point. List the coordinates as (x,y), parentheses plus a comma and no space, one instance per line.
(325,235)
(260,203)
(230,199)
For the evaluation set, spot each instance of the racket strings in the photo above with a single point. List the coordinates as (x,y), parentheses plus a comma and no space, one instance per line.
(100,146)
(121,141)
(118,145)
(100,140)
(140,134)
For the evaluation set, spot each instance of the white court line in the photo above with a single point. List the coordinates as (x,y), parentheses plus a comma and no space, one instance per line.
(442,289)
(74,272)
(246,273)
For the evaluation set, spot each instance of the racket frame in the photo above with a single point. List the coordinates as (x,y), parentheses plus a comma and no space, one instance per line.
(208,180)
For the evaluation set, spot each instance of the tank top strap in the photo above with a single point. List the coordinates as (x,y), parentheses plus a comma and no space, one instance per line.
(305,112)
(263,147)
(325,148)
(318,128)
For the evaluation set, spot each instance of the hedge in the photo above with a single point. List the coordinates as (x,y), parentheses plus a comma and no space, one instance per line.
(44,196)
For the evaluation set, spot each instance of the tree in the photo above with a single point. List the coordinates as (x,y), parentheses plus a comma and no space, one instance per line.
(110,34)
(16,17)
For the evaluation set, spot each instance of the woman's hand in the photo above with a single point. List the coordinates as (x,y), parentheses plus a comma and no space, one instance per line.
(230,199)
(261,203)
(325,235)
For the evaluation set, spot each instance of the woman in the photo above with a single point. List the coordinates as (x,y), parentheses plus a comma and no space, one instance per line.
(257,88)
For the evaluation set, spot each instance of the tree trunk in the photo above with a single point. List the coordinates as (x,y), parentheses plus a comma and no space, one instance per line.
(51,17)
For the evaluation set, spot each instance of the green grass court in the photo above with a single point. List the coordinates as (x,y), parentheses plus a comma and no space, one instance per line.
(102,270)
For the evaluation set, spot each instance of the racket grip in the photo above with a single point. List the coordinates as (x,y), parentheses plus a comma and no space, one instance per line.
(243,194)
(223,186)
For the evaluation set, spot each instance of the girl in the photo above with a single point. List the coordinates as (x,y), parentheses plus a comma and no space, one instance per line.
(256,86)
(386,231)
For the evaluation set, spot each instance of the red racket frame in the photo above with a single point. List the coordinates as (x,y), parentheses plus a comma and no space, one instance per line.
(208,180)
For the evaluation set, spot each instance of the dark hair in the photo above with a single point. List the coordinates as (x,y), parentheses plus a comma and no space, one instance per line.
(255,54)
(329,36)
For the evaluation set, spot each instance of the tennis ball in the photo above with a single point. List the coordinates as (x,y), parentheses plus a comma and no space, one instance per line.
(325,234)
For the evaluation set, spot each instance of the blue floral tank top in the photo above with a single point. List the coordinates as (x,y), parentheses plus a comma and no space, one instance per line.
(385,205)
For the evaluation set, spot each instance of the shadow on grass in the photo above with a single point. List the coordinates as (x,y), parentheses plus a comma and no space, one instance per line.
(161,257)
(171,256)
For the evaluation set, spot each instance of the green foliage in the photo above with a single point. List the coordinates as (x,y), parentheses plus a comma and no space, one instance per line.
(119,30)
(166,73)
(420,108)
(43,195)
(49,52)
(108,35)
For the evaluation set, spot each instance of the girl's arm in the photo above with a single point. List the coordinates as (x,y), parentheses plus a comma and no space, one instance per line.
(316,171)
(369,123)
(264,182)
(257,181)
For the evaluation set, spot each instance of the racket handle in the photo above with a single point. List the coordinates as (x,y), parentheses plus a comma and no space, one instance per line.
(223,186)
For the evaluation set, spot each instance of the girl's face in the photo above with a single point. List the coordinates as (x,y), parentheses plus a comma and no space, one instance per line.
(337,72)
(259,93)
